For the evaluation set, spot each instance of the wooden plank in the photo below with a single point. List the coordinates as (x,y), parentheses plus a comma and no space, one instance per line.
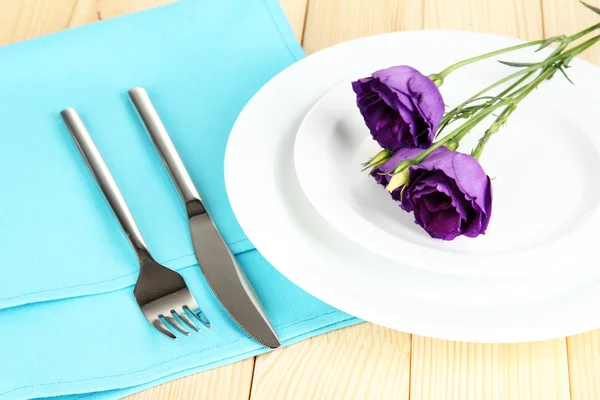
(296,13)
(453,370)
(568,17)
(24,19)
(447,370)
(359,362)
(364,361)
(30,18)
(333,21)
(87,11)
(584,365)
(518,18)
(230,382)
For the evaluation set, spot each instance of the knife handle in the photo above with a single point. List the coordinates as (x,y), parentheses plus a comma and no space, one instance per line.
(168,153)
(104,178)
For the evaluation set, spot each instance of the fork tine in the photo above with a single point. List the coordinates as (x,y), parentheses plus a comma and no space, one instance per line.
(198,315)
(175,324)
(185,318)
(158,288)
(158,324)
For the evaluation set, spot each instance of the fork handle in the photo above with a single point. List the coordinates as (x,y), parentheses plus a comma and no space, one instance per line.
(104,178)
(166,148)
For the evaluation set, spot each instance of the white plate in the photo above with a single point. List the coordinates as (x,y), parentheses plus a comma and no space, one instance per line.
(333,140)
(279,219)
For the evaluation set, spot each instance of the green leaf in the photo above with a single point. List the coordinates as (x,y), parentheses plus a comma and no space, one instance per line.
(516,64)
(567,61)
(594,9)
(379,159)
(551,75)
(565,74)
(366,166)
(398,180)
(442,127)
(549,41)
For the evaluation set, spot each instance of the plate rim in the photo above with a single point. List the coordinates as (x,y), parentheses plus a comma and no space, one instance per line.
(406,325)
(546,253)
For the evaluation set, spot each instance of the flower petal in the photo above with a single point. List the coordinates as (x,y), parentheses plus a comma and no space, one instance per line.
(399,115)
(429,100)
(444,185)
(439,225)
(471,179)
(436,201)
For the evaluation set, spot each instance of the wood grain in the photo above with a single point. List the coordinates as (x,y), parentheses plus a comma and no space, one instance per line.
(359,362)
(584,365)
(518,18)
(443,370)
(87,11)
(333,21)
(295,10)
(452,370)
(367,361)
(25,19)
(364,361)
(568,17)
(230,382)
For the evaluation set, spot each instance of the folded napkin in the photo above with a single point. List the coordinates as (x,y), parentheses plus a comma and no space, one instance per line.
(69,324)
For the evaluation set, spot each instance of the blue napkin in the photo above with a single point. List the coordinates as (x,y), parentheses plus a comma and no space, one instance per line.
(68,321)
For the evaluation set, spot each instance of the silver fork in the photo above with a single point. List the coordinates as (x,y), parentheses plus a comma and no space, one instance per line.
(161,293)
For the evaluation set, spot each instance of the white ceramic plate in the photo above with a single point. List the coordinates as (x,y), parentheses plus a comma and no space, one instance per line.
(527,232)
(328,261)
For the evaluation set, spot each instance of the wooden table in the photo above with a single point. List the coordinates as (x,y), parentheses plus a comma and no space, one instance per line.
(367,361)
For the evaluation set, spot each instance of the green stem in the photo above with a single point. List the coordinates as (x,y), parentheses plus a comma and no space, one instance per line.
(522,92)
(514,85)
(490,101)
(467,128)
(477,113)
(458,133)
(548,61)
(442,75)
(456,112)
(439,77)
(536,82)
(584,32)
(494,128)
(503,117)
(527,72)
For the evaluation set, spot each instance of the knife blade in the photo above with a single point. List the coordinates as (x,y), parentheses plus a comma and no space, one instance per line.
(220,268)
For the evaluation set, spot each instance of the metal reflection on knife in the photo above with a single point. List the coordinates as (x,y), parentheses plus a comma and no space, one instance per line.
(218,265)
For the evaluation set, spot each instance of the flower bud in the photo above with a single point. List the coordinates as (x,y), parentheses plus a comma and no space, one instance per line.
(399,177)
(438,80)
(378,160)
(452,145)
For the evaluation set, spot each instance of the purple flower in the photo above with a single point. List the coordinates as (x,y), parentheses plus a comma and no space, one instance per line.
(400,106)
(382,174)
(448,192)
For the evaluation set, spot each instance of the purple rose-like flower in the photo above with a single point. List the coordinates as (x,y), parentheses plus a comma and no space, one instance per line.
(449,193)
(400,106)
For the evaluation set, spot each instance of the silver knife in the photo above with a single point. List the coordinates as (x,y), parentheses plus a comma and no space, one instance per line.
(218,265)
